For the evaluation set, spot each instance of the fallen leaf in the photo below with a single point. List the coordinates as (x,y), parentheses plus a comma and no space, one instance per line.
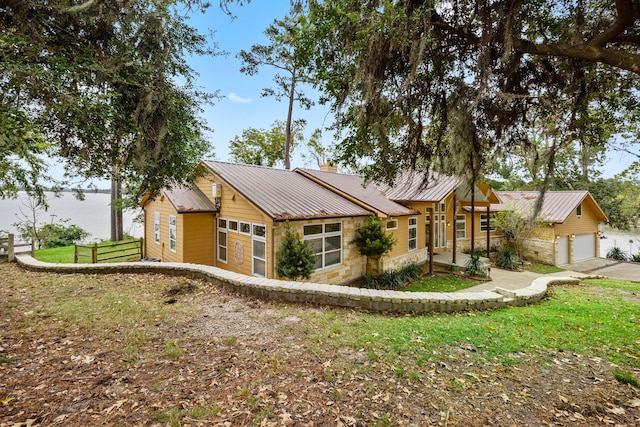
(116,405)
(563,399)
(6,401)
(634,403)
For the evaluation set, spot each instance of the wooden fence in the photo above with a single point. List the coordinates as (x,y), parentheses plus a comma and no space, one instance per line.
(132,250)
(8,247)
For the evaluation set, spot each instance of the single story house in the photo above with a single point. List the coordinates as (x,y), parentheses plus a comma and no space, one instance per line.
(234,218)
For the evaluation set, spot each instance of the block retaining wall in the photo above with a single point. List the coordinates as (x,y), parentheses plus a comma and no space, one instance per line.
(317,293)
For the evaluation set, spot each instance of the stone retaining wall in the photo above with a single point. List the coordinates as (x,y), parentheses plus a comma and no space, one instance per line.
(316,293)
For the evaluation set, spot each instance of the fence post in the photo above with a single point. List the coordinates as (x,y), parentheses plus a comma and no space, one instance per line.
(12,253)
(94,253)
(141,248)
(33,249)
(75,254)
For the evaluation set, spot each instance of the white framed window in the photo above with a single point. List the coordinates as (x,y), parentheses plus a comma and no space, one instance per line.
(443,231)
(579,210)
(443,207)
(461,226)
(437,207)
(483,222)
(222,240)
(259,250)
(156,227)
(245,228)
(413,234)
(232,225)
(173,244)
(392,224)
(326,242)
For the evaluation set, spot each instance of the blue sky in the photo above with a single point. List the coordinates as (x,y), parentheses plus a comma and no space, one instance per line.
(241,105)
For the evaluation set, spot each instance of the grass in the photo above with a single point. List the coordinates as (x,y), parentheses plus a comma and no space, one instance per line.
(544,269)
(65,254)
(441,283)
(599,318)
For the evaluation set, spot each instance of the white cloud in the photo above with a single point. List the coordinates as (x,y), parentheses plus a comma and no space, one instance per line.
(235,98)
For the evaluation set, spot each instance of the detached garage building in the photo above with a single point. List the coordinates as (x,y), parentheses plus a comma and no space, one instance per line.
(572,234)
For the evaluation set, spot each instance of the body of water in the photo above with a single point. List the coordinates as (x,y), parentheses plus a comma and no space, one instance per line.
(92,214)
(629,242)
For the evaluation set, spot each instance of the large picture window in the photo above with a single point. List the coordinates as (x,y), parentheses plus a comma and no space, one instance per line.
(483,222)
(326,242)
(413,234)
(173,245)
(222,240)
(156,227)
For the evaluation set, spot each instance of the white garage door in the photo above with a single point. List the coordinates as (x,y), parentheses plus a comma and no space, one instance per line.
(563,250)
(584,247)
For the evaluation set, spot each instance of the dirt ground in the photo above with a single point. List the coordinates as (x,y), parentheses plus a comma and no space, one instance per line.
(244,362)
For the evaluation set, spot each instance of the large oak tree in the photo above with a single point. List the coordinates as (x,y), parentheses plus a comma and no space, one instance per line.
(457,84)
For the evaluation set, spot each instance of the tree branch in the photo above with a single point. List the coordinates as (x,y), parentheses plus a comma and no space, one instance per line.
(614,57)
(627,15)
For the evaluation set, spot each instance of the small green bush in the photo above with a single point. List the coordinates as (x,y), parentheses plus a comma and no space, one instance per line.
(372,240)
(475,266)
(507,258)
(295,257)
(636,257)
(57,236)
(617,254)
(393,279)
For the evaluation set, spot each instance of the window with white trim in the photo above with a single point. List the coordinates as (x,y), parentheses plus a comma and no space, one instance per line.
(222,240)
(579,210)
(392,224)
(483,222)
(156,227)
(245,228)
(326,242)
(233,225)
(259,250)
(173,245)
(413,234)
(461,226)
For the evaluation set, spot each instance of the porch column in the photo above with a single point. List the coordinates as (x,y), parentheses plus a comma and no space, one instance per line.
(430,243)
(488,231)
(455,224)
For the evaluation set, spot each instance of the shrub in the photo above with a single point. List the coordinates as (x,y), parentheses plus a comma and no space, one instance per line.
(617,254)
(393,279)
(475,266)
(372,240)
(295,259)
(57,236)
(507,258)
(636,257)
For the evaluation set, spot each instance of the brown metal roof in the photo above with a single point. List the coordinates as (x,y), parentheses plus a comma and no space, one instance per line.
(417,186)
(186,199)
(556,206)
(284,194)
(370,196)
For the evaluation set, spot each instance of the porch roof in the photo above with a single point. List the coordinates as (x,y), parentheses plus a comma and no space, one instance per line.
(188,199)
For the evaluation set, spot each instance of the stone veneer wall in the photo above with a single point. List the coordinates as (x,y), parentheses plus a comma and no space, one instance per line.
(419,256)
(317,293)
(542,251)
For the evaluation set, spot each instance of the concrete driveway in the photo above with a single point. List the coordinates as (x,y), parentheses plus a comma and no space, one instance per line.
(607,267)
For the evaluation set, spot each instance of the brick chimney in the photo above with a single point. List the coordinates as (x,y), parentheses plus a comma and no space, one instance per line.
(329,167)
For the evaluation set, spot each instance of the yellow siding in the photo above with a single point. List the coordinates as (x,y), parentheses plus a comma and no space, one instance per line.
(234,206)
(586,223)
(154,250)
(198,238)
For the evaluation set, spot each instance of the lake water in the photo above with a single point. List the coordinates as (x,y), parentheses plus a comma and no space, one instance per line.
(92,214)
(628,242)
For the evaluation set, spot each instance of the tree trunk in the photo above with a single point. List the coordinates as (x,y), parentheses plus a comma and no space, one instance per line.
(287,134)
(117,232)
(374,265)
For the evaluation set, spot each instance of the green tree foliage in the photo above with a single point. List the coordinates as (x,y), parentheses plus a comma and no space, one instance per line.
(401,76)
(280,54)
(295,258)
(372,240)
(98,81)
(264,147)
(517,226)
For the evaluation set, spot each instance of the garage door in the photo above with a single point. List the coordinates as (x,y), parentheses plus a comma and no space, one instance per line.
(584,247)
(563,250)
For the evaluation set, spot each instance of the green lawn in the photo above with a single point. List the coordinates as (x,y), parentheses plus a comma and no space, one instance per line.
(599,318)
(441,283)
(64,255)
